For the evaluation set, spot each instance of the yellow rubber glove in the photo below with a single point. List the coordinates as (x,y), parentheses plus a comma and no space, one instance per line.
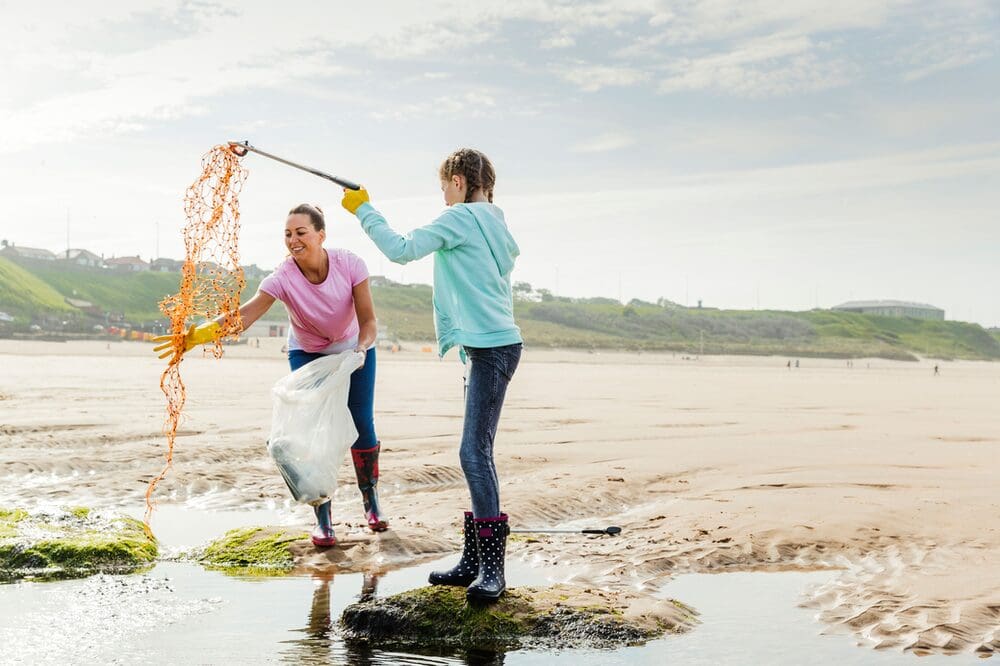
(353,199)
(196,335)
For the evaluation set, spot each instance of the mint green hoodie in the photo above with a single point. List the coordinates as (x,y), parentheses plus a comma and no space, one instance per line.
(474,256)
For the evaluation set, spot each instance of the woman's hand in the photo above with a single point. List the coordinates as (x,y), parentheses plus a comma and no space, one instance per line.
(196,335)
(363,353)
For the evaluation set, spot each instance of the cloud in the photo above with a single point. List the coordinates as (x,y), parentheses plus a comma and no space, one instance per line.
(946,52)
(696,22)
(560,41)
(172,59)
(774,65)
(605,143)
(591,78)
(472,103)
(143,89)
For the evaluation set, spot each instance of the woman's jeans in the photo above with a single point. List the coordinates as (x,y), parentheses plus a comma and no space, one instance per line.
(490,372)
(360,399)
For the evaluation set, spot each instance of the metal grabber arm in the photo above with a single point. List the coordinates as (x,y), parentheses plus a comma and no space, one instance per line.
(241,148)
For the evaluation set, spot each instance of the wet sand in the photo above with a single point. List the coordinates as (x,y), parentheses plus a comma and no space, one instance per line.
(720,464)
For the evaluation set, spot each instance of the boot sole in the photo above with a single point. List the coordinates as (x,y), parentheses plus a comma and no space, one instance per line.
(457,583)
(480,598)
(323,543)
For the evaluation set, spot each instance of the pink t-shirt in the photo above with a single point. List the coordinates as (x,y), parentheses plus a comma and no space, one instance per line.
(320,314)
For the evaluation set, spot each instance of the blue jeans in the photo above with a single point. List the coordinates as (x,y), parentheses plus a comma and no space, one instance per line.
(490,373)
(360,399)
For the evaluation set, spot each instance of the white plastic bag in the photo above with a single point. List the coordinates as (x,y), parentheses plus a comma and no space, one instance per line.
(311,426)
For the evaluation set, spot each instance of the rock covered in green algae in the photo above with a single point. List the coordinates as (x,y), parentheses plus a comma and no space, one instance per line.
(252,548)
(277,550)
(69,543)
(562,616)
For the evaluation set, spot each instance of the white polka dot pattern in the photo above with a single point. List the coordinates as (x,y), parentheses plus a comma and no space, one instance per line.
(468,566)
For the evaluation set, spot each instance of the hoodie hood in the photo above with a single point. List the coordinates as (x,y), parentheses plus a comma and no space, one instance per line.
(502,245)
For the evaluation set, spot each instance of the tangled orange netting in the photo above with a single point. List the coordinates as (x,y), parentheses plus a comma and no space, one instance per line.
(211,278)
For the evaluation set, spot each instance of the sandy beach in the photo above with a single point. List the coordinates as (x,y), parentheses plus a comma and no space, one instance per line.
(882,471)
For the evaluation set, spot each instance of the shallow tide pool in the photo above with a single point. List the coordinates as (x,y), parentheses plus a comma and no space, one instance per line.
(179,613)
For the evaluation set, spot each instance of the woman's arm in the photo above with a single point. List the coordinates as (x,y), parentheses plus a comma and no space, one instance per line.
(255,308)
(250,312)
(365,309)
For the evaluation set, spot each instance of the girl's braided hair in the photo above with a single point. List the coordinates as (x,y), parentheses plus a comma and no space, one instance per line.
(475,167)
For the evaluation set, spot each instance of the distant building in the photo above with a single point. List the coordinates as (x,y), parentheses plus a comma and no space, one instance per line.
(85,306)
(21,252)
(126,264)
(80,257)
(164,265)
(892,309)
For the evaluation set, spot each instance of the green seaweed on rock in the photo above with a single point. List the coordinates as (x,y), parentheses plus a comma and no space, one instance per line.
(253,549)
(70,544)
(561,616)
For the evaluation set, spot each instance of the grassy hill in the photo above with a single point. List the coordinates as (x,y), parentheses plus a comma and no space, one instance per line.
(137,295)
(22,294)
(827,333)
(38,289)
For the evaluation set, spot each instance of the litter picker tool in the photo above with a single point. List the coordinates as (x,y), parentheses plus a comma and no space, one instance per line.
(613,530)
(241,148)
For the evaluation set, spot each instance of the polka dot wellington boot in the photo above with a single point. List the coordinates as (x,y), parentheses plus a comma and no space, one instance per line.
(491,534)
(468,567)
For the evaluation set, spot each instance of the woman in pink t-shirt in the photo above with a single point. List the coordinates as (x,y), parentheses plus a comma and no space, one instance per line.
(330,310)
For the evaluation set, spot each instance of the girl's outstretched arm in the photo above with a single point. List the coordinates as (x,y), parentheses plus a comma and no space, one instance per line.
(444,233)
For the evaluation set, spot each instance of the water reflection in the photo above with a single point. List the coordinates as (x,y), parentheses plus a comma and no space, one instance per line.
(321,643)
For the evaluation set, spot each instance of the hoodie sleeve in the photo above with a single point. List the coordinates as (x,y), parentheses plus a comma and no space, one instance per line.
(444,233)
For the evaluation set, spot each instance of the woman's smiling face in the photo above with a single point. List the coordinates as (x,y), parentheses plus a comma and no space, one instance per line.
(301,237)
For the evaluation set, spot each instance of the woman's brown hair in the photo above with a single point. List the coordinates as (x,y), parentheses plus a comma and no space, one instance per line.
(315,214)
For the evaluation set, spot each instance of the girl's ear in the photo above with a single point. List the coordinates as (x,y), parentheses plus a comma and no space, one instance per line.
(458,181)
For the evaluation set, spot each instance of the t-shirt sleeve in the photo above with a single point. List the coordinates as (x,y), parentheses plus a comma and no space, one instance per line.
(356,268)
(272,286)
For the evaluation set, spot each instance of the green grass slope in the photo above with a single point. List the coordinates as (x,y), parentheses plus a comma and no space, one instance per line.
(137,294)
(23,294)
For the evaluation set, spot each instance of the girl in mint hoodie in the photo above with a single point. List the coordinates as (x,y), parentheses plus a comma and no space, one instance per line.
(473,310)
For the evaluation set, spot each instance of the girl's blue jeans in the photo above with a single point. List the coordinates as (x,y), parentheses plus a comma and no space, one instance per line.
(490,372)
(360,399)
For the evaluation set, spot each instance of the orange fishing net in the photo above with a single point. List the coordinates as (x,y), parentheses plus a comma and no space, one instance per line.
(211,278)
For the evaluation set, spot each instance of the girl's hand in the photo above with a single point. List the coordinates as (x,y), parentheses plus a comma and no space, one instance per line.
(353,199)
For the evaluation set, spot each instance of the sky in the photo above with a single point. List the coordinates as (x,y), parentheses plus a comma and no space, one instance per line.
(745,153)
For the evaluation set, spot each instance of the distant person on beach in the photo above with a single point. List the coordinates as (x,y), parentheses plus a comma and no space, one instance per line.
(935,369)
(330,309)
(474,255)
